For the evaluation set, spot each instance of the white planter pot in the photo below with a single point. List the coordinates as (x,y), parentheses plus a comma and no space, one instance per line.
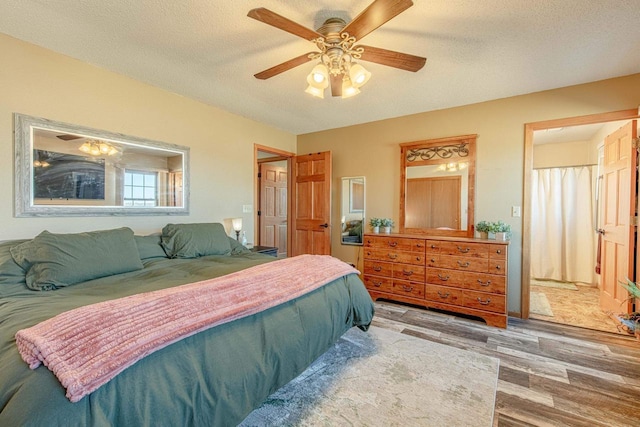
(387,230)
(376,230)
(501,237)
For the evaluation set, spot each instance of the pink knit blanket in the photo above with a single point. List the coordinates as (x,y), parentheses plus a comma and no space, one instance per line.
(88,346)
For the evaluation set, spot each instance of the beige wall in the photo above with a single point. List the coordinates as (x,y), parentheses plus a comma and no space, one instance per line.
(42,83)
(564,154)
(372,150)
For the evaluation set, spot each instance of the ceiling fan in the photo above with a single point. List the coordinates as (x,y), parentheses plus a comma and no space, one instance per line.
(336,41)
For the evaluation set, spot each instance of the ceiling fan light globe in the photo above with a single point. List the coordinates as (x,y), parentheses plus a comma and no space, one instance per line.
(315,91)
(320,73)
(348,90)
(358,75)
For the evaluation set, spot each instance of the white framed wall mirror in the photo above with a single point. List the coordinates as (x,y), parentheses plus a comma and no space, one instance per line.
(68,170)
(437,186)
(352,210)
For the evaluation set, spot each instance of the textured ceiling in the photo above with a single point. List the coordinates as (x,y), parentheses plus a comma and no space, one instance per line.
(209,50)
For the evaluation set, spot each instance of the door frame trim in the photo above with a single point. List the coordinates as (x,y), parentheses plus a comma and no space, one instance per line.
(281,155)
(529,128)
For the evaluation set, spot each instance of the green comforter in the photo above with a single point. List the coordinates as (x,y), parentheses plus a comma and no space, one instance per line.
(213,378)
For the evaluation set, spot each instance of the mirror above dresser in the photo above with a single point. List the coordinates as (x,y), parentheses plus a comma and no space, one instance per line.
(437,186)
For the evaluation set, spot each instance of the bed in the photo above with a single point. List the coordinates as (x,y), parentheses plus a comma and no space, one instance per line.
(214,377)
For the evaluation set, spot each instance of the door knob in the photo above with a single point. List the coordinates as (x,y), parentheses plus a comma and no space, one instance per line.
(325,225)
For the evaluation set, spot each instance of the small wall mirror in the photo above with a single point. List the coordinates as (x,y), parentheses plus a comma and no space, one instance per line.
(437,186)
(68,170)
(352,210)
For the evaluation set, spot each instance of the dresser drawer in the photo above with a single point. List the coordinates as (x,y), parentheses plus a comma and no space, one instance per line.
(378,268)
(380,284)
(390,255)
(498,266)
(484,301)
(414,273)
(443,294)
(465,249)
(396,243)
(458,263)
(467,280)
(498,252)
(411,289)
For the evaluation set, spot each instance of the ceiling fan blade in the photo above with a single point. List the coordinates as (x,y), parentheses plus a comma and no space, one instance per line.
(271,18)
(280,68)
(67,137)
(390,58)
(378,12)
(336,84)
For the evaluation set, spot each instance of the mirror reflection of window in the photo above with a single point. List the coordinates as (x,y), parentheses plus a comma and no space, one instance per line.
(140,188)
(352,210)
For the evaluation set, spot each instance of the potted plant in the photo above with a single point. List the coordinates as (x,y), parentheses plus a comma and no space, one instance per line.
(483,227)
(375,224)
(631,321)
(387,223)
(501,230)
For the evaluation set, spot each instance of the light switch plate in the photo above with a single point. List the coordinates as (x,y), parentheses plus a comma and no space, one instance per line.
(247,208)
(515,211)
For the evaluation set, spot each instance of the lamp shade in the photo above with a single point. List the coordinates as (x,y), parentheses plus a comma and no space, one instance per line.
(315,91)
(236,223)
(358,75)
(348,90)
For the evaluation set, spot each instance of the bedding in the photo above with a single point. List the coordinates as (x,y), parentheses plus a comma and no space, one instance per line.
(215,377)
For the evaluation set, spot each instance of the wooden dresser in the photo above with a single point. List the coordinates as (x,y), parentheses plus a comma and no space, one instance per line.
(461,275)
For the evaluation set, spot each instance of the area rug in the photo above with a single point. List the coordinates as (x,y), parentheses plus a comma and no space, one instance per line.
(385,378)
(554,284)
(539,304)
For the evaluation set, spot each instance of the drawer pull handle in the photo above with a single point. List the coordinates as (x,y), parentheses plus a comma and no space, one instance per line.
(433,246)
(407,273)
(433,260)
(377,284)
(498,267)
(499,251)
(407,288)
(464,264)
(463,250)
(443,295)
(443,278)
(393,256)
(484,302)
(393,244)
(377,268)
(418,258)
(487,283)
(419,245)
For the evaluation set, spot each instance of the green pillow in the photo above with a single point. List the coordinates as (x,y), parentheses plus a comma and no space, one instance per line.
(149,247)
(57,260)
(237,248)
(10,272)
(195,240)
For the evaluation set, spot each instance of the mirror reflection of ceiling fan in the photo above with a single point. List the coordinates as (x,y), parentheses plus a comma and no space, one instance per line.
(336,41)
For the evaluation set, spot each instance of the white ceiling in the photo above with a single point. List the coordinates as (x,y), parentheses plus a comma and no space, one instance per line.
(209,50)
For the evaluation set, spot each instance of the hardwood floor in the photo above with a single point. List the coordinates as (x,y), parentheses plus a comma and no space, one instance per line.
(550,374)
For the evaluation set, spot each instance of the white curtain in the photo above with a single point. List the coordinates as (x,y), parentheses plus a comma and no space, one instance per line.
(562,228)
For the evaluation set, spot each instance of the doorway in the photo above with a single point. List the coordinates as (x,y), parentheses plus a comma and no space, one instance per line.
(272,198)
(562,210)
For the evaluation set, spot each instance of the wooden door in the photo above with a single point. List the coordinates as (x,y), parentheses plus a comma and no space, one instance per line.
(619,208)
(311,204)
(273,207)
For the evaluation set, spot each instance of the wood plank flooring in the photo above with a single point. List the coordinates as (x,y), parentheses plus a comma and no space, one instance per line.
(550,374)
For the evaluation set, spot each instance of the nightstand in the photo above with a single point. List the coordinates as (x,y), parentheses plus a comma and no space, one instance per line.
(267,250)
